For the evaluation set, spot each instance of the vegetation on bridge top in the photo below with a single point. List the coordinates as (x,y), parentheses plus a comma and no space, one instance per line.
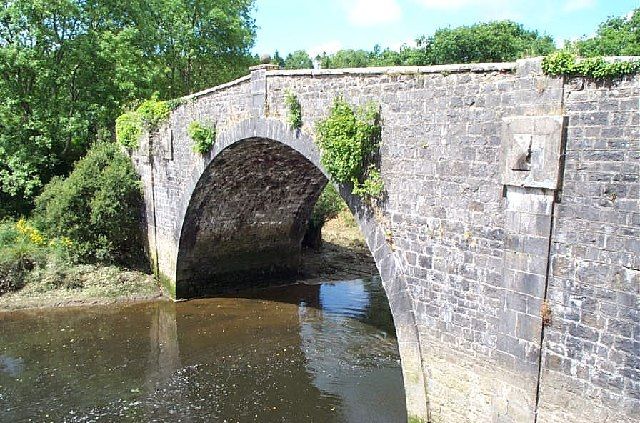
(203,136)
(148,116)
(349,140)
(564,62)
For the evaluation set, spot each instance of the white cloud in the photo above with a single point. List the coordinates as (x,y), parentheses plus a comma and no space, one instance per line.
(482,9)
(372,12)
(329,47)
(410,42)
(456,4)
(575,5)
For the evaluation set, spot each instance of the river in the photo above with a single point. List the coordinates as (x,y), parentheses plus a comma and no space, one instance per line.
(303,353)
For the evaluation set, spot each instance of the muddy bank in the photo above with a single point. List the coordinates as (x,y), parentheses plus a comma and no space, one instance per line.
(343,256)
(83,285)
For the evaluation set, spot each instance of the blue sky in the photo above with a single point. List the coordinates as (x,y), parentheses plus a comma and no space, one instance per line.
(328,25)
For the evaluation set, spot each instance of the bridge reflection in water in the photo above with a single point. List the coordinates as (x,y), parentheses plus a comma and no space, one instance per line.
(300,353)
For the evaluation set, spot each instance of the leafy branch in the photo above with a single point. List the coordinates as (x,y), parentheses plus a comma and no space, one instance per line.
(566,63)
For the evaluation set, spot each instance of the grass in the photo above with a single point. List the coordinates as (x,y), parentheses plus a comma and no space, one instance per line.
(81,284)
(343,230)
(39,272)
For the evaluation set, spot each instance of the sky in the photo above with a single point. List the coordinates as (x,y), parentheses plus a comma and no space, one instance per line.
(330,25)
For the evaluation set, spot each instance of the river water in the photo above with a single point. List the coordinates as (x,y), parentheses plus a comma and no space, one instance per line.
(303,353)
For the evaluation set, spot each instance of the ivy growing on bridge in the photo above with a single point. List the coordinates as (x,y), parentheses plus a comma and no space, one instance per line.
(564,62)
(148,116)
(294,110)
(349,140)
(203,136)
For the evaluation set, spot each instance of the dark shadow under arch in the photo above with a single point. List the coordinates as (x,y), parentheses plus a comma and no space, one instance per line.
(246,218)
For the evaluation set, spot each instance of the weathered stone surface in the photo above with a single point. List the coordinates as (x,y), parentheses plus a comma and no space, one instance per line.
(591,351)
(532,146)
(468,256)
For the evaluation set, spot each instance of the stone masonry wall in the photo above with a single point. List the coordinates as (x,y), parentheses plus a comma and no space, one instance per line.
(471,245)
(591,350)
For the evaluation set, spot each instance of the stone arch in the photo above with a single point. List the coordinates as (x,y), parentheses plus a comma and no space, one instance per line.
(253,194)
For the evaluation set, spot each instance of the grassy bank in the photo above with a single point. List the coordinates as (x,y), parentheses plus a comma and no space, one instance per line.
(37,272)
(41,271)
(81,284)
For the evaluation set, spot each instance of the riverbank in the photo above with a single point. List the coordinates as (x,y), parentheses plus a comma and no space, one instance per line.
(344,255)
(83,285)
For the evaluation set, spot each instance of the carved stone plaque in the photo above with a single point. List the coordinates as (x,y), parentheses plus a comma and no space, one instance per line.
(531,151)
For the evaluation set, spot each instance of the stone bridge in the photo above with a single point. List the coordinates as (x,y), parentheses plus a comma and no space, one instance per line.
(508,242)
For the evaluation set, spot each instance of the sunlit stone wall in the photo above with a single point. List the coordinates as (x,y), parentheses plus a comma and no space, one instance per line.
(511,268)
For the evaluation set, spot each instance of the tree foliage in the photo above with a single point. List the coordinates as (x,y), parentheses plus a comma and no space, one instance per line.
(299,59)
(97,207)
(617,36)
(68,68)
(499,41)
(345,59)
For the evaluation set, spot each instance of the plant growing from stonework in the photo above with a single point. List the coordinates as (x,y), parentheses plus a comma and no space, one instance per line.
(564,62)
(129,129)
(372,184)
(203,136)
(148,116)
(294,110)
(349,140)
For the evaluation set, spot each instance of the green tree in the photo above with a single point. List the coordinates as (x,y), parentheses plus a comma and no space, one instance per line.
(277,59)
(68,68)
(386,57)
(617,36)
(196,44)
(299,59)
(499,41)
(97,207)
(346,59)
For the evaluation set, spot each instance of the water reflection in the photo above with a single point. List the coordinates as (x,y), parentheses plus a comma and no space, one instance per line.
(345,364)
(320,353)
(11,366)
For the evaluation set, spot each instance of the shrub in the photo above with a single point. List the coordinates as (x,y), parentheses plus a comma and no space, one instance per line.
(329,204)
(202,135)
(148,116)
(19,254)
(564,62)
(97,207)
(294,115)
(349,140)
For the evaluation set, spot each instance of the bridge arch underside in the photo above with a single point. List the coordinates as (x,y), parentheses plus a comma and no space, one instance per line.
(246,218)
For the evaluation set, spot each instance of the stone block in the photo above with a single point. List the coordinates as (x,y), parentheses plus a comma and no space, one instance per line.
(531,150)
